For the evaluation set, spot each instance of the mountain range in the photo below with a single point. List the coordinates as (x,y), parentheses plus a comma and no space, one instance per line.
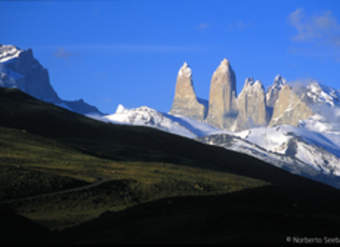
(19,69)
(293,126)
(68,179)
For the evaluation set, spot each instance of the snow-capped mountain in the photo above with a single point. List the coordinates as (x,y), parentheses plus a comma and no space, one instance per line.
(319,94)
(296,149)
(19,69)
(145,116)
(297,124)
(273,91)
(8,52)
(311,149)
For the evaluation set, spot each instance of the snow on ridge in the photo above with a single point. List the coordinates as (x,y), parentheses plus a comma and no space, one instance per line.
(146,116)
(185,71)
(317,93)
(302,150)
(8,52)
(321,94)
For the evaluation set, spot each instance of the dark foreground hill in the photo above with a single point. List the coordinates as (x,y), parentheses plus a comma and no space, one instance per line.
(141,185)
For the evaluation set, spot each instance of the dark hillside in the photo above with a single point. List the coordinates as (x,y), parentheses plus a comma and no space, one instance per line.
(131,143)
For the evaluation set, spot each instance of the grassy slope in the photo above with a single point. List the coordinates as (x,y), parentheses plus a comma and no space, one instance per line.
(131,143)
(32,165)
(143,165)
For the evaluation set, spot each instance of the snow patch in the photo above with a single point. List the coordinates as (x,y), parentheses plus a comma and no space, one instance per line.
(8,52)
(145,116)
(185,71)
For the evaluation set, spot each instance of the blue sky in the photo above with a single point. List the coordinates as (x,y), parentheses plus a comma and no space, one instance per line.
(129,52)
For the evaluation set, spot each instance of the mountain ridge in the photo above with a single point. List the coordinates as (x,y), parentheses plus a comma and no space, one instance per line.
(254,108)
(19,69)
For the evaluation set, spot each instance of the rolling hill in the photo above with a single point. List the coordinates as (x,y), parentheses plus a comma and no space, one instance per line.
(93,182)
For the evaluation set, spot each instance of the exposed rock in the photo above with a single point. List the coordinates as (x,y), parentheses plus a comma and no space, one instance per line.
(185,101)
(289,108)
(252,110)
(222,100)
(274,90)
(19,69)
(317,94)
(22,71)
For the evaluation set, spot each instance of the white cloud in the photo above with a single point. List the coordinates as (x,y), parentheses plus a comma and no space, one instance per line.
(320,28)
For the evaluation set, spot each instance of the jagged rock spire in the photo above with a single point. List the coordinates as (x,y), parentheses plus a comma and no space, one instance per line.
(222,99)
(289,108)
(252,110)
(274,90)
(185,100)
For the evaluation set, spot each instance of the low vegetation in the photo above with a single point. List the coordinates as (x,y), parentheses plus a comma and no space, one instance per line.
(96,182)
(33,165)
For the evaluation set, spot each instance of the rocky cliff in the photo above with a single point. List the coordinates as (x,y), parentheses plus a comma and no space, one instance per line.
(185,101)
(254,106)
(19,69)
(222,99)
(289,108)
(252,109)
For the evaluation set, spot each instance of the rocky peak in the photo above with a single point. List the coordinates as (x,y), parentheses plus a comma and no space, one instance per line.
(185,71)
(319,94)
(273,91)
(289,108)
(19,69)
(24,72)
(8,52)
(252,110)
(222,99)
(248,82)
(251,86)
(279,80)
(224,66)
(185,101)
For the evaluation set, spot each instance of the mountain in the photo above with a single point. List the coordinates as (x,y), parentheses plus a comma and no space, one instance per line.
(185,100)
(302,136)
(146,116)
(19,69)
(143,185)
(289,108)
(252,108)
(313,108)
(274,90)
(222,97)
(295,149)
(317,94)
(281,103)
(301,150)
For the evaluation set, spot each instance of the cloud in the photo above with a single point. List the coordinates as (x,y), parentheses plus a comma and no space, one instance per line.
(62,53)
(322,28)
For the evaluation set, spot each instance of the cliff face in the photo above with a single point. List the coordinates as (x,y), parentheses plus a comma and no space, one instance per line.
(274,90)
(19,69)
(222,99)
(185,101)
(252,109)
(289,108)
